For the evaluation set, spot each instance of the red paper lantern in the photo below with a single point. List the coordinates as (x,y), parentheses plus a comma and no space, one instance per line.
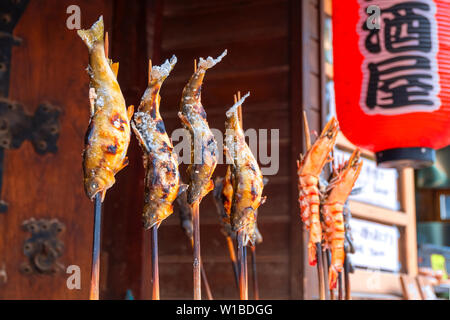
(392,80)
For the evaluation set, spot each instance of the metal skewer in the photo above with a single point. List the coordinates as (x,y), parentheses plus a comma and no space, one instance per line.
(233,259)
(197,258)
(155,264)
(243,278)
(348,290)
(204,277)
(254,274)
(340,292)
(320,271)
(328,255)
(95,273)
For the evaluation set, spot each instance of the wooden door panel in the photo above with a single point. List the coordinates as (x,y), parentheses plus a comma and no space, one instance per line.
(49,66)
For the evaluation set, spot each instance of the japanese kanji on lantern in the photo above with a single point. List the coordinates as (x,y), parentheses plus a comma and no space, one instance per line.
(392,77)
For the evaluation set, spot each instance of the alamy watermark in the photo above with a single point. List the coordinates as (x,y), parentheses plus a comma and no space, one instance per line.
(257,140)
(373,21)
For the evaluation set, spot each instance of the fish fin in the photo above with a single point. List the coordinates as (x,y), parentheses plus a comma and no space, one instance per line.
(182,188)
(130,112)
(103,195)
(139,137)
(263,200)
(210,186)
(115,68)
(94,34)
(125,162)
(92,97)
(184,120)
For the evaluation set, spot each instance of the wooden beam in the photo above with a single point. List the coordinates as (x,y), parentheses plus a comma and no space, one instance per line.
(408,204)
(297,37)
(378,214)
(375,282)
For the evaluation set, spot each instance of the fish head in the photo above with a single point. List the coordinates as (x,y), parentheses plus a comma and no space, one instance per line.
(317,156)
(98,183)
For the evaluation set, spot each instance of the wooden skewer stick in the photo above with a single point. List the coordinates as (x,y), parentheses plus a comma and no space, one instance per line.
(307,132)
(204,277)
(155,264)
(195,65)
(243,278)
(197,258)
(348,290)
(320,271)
(233,259)
(254,274)
(340,292)
(95,273)
(328,254)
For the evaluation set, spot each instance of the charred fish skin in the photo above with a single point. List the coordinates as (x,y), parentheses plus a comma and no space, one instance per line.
(246,175)
(108,135)
(162,178)
(204,151)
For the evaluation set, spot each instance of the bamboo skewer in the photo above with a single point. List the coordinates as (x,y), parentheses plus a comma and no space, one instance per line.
(254,274)
(197,259)
(95,273)
(155,265)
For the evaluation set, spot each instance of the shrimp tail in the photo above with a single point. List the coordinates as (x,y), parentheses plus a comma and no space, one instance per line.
(332,276)
(312,253)
(93,35)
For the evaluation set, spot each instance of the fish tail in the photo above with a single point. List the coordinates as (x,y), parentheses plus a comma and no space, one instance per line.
(94,34)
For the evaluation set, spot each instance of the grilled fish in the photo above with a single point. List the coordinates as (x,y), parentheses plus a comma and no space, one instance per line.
(246,175)
(204,152)
(108,134)
(162,178)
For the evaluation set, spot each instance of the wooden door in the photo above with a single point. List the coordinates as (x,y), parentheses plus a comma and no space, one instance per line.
(49,66)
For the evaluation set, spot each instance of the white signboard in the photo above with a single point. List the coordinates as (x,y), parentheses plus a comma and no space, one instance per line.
(378,186)
(376,245)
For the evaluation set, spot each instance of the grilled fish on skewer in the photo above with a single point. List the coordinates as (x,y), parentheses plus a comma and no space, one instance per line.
(162,179)
(337,193)
(309,168)
(204,150)
(108,135)
(247,177)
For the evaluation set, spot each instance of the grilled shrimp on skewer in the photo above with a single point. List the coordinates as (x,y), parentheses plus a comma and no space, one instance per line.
(162,179)
(309,168)
(204,150)
(337,193)
(247,177)
(108,135)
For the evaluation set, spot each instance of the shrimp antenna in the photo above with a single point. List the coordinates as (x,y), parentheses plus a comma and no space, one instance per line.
(307,134)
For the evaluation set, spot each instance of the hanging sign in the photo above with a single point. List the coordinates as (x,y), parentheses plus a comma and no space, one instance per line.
(376,245)
(392,77)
